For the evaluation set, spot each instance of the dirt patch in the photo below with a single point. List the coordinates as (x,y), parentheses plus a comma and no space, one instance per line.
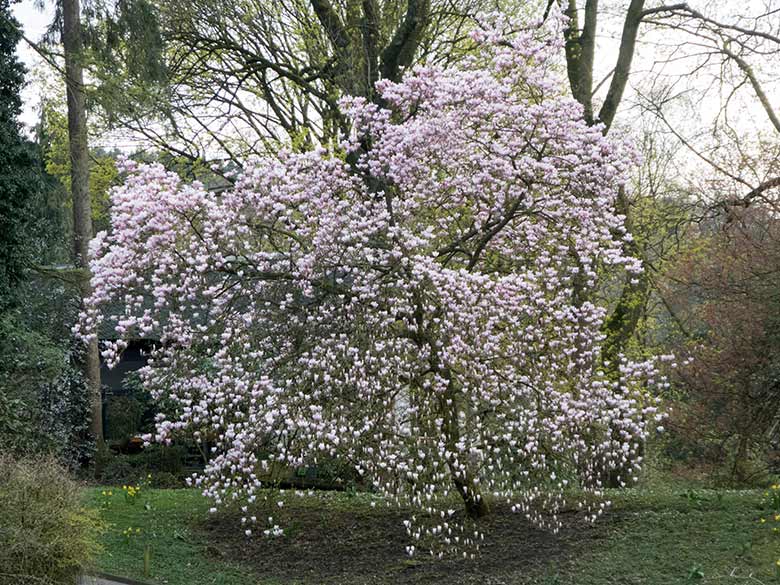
(366,546)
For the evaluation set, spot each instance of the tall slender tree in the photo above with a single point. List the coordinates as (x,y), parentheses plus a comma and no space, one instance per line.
(79,183)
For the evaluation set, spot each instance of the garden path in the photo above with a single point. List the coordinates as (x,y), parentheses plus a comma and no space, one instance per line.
(106,580)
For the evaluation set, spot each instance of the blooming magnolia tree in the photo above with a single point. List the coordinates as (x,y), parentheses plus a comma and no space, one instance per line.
(421,308)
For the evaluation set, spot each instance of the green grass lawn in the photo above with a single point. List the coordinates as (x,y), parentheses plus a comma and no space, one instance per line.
(649,537)
(179,555)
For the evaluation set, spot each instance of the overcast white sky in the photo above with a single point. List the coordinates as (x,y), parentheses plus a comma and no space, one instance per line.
(34,22)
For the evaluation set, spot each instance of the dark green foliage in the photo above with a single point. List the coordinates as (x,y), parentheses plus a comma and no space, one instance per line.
(123,417)
(119,471)
(122,36)
(165,464)
(20,176)
(127,33)
(332,473)
(43,406)
(42,401)
(124,49)
(131,414)
(168,459)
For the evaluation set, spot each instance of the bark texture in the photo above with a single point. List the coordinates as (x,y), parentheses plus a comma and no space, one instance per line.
(79,181)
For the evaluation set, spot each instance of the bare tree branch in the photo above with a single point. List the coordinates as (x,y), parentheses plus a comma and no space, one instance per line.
(749,73)
(756,192)
(400,51)
(331,23)
(623,66)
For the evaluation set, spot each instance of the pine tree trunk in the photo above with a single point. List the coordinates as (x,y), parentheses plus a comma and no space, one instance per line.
(79,181)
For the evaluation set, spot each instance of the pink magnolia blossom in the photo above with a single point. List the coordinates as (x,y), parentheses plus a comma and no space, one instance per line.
(423,308)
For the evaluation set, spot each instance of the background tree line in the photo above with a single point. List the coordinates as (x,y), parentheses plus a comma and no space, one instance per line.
(202,85)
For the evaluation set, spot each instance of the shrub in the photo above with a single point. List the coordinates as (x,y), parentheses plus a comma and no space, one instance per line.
(119,471)
(43,404)
(165,458)
(165,462)
(166,480)
(334,473)
(123,414)
(130,413)
(46,535)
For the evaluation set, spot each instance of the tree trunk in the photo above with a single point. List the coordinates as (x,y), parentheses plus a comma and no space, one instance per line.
(473,502)
(79,186)
(740,470)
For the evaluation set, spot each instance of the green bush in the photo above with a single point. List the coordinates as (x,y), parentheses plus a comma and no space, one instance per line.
(166,480)
(120,470)
(334,472)
(166,465)
(166,458)
(123,417)
(130,413)
(47,536)
(43,401)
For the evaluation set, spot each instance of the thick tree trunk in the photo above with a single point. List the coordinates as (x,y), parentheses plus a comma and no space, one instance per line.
(79,182)
(473,502)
